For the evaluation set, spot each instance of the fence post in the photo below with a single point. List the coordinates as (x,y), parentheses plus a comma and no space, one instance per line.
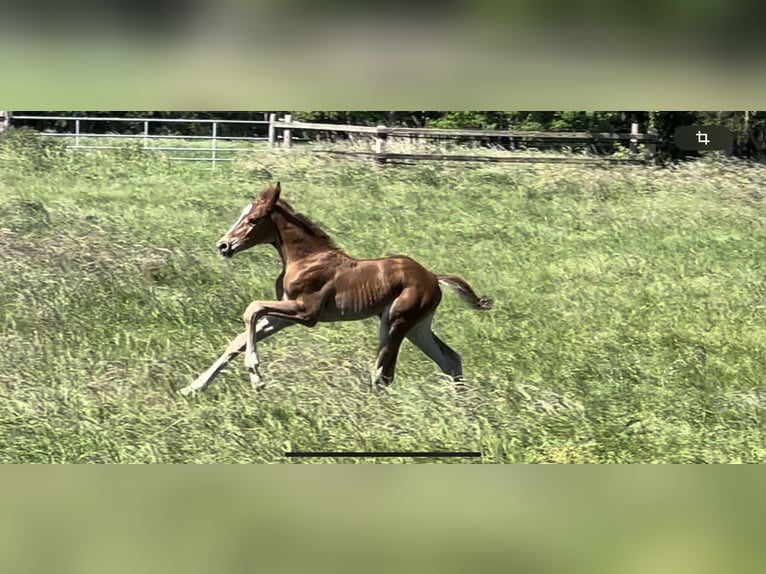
(381,135)
(146,134)
(651,147)
(634,141)
(272,130)
(287,135)
(214,147)
(5,121)
(77,133)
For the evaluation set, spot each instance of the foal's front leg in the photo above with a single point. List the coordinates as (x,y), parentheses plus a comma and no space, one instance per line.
(281,312)
(265,328)
(236,347)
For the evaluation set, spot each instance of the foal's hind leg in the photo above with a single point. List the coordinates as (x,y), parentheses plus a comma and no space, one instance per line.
(390,337)
(437,350)
(395,322)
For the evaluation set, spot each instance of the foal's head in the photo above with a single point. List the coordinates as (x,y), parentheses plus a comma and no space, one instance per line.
(254,226)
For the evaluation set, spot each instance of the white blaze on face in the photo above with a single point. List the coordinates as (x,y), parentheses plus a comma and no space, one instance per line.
(245,211)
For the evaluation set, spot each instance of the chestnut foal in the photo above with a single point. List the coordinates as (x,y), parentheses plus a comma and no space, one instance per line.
(319,282)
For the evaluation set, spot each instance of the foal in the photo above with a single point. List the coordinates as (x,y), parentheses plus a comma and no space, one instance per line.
(319,282)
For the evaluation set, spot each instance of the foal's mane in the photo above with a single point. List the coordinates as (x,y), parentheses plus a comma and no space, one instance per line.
(304,222)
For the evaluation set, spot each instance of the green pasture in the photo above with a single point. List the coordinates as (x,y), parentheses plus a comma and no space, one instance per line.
(628,324)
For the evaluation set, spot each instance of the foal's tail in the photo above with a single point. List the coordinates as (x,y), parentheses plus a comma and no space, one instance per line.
(466,293)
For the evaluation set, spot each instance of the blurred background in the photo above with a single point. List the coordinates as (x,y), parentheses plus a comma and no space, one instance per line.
(575,520)
(351,55)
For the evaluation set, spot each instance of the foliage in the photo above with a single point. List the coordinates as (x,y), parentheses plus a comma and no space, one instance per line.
(23,149)
(540,121)
(664,125)
(367,118)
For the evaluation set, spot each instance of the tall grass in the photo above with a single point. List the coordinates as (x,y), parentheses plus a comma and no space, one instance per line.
(628,324)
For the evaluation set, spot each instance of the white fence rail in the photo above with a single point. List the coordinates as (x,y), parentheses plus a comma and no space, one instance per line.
(212,153)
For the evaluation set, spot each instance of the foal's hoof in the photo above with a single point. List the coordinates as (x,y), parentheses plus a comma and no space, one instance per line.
(192,389)
(380,385)
(460,385)
(258,387)
(256,381)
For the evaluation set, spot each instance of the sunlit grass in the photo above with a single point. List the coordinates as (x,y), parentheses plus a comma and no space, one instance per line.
(628,324)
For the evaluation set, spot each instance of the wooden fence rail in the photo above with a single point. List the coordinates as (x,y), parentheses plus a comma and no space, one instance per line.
(382,133)
(385,157)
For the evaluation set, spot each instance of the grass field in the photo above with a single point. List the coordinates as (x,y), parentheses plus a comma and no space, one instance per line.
(628,324)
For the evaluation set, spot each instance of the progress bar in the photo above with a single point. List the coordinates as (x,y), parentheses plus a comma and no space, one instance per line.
(391,454)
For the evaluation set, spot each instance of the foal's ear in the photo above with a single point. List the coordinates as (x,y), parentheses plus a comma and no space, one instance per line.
(270,195)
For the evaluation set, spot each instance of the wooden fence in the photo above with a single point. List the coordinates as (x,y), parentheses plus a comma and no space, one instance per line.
(382,133)
(213,152)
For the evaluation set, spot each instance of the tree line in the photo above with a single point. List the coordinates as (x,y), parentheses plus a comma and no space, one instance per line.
(748,127)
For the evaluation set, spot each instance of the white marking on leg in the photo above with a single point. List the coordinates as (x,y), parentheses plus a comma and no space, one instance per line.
(251,353)
(439,352)
(265,328)
(234,349)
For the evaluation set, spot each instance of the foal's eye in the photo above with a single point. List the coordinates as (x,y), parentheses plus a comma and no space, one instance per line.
(252,220)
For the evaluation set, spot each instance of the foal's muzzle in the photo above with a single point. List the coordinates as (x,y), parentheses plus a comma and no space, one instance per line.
(225,248)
